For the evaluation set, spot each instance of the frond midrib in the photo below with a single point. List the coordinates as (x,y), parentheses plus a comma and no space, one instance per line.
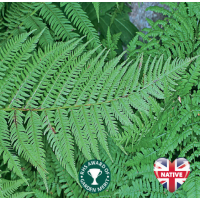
(98,103)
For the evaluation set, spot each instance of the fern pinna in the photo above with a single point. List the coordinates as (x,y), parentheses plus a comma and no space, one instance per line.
(65,99)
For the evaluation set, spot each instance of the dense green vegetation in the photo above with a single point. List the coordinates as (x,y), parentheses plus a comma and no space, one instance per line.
(69,93)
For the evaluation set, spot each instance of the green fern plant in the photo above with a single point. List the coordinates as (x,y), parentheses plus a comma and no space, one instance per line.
(8,188)
(42,90)
(176,35)
(65,99)
(175,132)
(111,43)
(67,112)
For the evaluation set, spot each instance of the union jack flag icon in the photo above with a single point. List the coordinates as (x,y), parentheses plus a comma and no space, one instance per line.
(171,175)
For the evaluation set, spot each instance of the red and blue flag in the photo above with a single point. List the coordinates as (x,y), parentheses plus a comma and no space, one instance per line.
(171,175)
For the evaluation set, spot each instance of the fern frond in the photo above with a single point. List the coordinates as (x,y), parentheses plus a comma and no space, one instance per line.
(31,72)
(106,79)
(6,148)
(52,67)
(40,194)
(174,36)
(89,128)
(19,139)
(20,194)
(33,22)
(80,19)
(34,132)
(55,141)
(9,50)
(16,66)
(81,99)
(57,21)
(65,138)
(99,128)
(191,185)
(12,22)
(96,6)
(70,188)
(17,17)
(10,186)
(79,133)
(111,43)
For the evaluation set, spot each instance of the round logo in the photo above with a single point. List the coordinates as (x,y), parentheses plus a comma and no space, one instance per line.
(94,176)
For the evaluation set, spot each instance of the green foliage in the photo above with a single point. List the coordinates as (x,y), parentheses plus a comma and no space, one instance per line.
(8,188)
(176,35)
(114,16)
(111,43)
(67,95)
(96,6)
(176,131)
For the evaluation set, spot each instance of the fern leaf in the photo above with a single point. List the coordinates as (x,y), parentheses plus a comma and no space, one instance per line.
(34,132)
(65,138)
(55,62)
(20,194)
(111,43)
(66,90)
(70,188)
(98,124)
(184,116)
(77,84)
(89,128)
(40,194)
(48,120)
(79,99)
(30,74)
(6,148)
(94,69)
(19,139)
(33,22)
(9,50)
(79,133)
(191,185)
(96,6)
(56,19)
(10,186)
(109,118)
(19,62)
(74,11)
